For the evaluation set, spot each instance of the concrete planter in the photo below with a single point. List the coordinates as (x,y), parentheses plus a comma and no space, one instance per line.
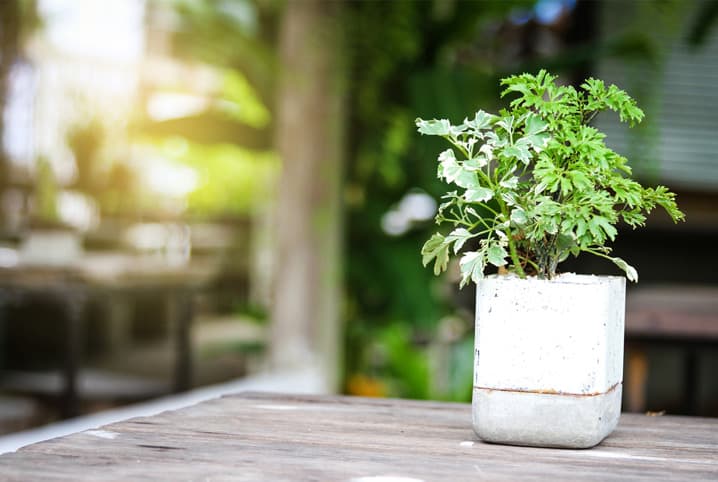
(548,359)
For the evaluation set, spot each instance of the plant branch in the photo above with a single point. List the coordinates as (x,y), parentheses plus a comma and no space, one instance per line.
(512,243)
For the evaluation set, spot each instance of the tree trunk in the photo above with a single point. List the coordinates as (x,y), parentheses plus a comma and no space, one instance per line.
(307,294)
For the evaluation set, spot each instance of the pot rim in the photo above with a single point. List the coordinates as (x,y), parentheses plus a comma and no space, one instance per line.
(561,278)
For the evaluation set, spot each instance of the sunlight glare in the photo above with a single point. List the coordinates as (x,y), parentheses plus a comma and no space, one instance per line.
(170,179)
(107,29)
(169,105)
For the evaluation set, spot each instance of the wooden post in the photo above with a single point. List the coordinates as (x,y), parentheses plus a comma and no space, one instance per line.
(181,313)
(307,286)
(74,299)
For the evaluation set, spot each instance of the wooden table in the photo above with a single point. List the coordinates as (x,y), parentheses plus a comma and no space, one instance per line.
(107,276)
(254,436)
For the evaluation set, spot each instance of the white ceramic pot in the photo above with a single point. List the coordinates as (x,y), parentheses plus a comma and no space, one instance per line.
(548,359)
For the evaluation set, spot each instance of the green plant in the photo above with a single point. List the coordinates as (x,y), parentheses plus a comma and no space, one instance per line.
(46,193)
(537,183)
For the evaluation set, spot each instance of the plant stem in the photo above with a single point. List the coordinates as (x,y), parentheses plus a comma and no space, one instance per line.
(461,148)
(597,253)
(467,154)
(515,258)
(489,208)
(534,265)
(481,221)
(512,245)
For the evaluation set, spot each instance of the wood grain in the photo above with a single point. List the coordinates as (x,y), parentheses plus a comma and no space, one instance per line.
(255,436)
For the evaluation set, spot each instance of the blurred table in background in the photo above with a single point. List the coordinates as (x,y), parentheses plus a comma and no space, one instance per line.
(107,276)
(682,316)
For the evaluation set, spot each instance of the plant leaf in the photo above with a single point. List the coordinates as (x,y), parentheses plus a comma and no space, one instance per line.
(478,194)
(535,125)
(496,255)
(510,183)
(631,272)
(472,267)
(518,216)
(482,120)
(447,164)
(475,163)
(453,172)
(534,134)
(438,249)
(459,236)
(434,127)
(519,150)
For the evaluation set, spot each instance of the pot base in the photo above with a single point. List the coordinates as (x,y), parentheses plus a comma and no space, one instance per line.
(545,419)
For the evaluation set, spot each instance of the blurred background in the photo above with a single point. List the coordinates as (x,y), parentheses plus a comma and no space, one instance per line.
(203,193)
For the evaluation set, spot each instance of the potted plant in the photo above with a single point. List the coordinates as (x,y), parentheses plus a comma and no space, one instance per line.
(532,186)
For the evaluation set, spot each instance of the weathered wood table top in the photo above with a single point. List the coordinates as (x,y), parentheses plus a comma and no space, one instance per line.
(255,436)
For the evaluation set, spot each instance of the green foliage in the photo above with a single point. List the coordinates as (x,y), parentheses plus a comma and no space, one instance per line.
(86,141)
(227,144)
(407,368)
(232,180)
(239,99)
(550,185)
(46,193)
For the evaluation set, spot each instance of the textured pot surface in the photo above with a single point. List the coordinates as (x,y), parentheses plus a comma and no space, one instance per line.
(548,361)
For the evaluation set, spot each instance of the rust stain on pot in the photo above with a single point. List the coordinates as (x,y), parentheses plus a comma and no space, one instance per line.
(550,391)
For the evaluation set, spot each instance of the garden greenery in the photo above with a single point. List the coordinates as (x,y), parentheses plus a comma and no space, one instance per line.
(537,183)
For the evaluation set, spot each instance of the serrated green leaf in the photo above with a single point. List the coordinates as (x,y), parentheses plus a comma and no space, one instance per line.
(520,151)
(599,222)
(595,230)
(447,163)
(535,125)
(478,194)
(510,183)
(633,218)
(518,216)
(456,131)
(476,163)
(581,227)
(550,225)
(434,127)
(496,255)
(509,198)
(507,124)
(565,241)
(459,236)
(436,248)
(453,172)
(472,267)
(535,135)
(467,179)
(580,180)
(481,120)
(488,151)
